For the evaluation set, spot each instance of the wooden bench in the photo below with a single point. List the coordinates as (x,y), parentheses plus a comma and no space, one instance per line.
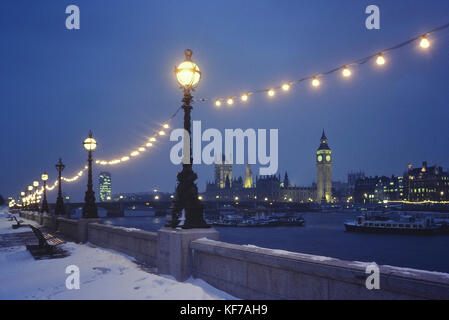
(18,223)
(46,247)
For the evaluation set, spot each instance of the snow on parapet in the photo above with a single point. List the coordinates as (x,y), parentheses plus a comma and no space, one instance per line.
(290,253)
(207,239)
(411,271)
(402,270)
(277,251)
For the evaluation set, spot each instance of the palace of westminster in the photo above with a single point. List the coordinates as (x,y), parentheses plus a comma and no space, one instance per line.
(273,188)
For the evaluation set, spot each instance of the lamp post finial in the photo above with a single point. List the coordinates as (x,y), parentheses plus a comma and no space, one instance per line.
(188,54)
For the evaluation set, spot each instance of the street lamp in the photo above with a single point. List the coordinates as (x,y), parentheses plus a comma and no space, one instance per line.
(59,208)
(188,76)
(22,194)
(36,205)
(44,208)
(90,208)
(29,206)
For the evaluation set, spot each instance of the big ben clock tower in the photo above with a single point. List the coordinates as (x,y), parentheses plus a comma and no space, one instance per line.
(324,171)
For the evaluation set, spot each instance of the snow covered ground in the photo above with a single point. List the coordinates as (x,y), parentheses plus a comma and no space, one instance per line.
(104,274)
(5,225)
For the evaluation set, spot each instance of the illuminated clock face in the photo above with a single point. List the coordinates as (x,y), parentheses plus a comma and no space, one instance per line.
(328,158)
(320,158)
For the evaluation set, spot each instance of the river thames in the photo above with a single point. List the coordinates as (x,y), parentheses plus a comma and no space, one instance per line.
(324,234)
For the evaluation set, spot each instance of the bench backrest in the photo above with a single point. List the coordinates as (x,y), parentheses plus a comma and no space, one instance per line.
(39,236)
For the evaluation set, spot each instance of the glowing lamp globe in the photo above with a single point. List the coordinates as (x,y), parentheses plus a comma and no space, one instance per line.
(380,60)
(22,193)
(346,72)
(36,183)
(424,43)
(90,144)
(30,188)
(187,73)
(44,177)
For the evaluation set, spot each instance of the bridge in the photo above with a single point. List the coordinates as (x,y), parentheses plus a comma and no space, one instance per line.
(163,207)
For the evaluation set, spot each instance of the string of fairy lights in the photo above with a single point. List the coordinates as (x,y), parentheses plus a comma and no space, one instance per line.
(346,70)
(35,192)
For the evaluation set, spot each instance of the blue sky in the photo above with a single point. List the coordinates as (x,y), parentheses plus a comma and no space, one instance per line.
(115,76)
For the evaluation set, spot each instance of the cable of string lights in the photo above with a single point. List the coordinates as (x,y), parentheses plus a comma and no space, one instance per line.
(379,56)
(161,132)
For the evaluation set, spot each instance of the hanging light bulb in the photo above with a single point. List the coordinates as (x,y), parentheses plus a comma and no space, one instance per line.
(230,101)
(346,72)
(166,126)
(286,87)
(149,144)
(153,139)
(244,97)
(271,93)
(380,60)
(217,103)
(141,149)
(315,82)
(162,133)
(424,43)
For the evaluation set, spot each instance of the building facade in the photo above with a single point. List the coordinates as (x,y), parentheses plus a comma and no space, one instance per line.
(324,171)
(263,188)
(223,173)
(417,185)
(354,176)
(248,181)
(105,186)
(376,190)
(427,183)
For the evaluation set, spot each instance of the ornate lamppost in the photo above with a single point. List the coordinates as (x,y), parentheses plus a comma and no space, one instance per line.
(29,205)
(90,208)
(59,208)
(22,194)
(188,76)
(44,208)
(36,202)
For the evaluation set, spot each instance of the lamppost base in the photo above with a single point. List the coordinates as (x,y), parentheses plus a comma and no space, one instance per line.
(201,225)
(90,212)
(173,250)
(59,209)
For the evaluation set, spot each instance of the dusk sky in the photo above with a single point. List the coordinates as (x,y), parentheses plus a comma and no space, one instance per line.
(115,76)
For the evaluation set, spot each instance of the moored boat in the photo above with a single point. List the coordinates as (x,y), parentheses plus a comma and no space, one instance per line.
(383,224)
(251,223)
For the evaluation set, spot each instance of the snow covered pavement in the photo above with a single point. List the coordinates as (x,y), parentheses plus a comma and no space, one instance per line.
(104,274)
